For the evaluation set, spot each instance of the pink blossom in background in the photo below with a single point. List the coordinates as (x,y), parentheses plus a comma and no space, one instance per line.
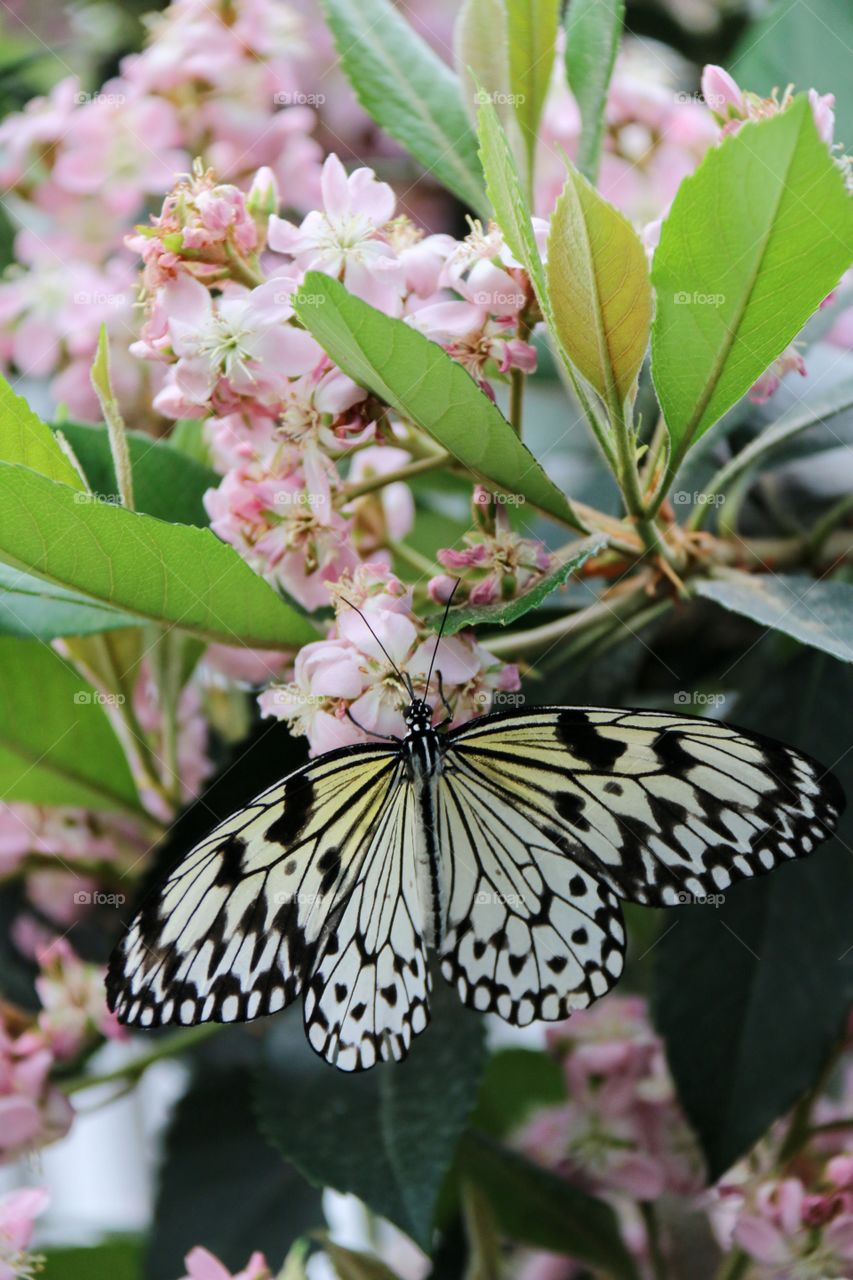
(495,565)
(388,514)
(193,762)
(33,1111)
(621,1129)
(202,1265)
(73,1003)
(349,672)
(18,1212)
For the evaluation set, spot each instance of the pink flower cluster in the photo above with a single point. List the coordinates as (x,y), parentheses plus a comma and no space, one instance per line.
(202,1265)
(621,1129)
(346,688)
(496,564)
(18,1212)
(218,80)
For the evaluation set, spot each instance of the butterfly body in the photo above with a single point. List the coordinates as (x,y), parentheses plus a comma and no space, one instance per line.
(504,845)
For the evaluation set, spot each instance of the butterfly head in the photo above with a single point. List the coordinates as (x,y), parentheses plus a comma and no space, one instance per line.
(418,716)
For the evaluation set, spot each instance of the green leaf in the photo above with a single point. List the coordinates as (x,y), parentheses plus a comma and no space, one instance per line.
(755,240)
(751,997)
(162,572)
(818,614)
(516,1082)
(25,439)
(803,44)
(407,90)
(599,287)
(480,53)
(114,1260)
(387,1135)
(166,482)
(505,611)
(541,1209)
(57,745)
(420,380)
(353,1264)
(212,1147)
(116,430)
(34,609)
(593,30)
(532,38)
(509,202)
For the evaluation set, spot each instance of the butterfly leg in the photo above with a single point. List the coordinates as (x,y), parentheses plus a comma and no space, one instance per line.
(444,701)
(383,737)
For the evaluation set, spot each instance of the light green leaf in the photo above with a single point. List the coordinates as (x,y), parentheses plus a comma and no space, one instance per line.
(505,611)
(161,572)
(34,609)
(25,439)
(480,54)
(113,1260)
(167,483)
(818,614)
(354,1264)
(598,282)
(753,243)
(57,746)
(532,37)
(407,90)
(420,380)
(593,30)
(116,430)
(509,202)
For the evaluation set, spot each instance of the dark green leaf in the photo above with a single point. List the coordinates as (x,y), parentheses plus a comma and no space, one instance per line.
(593,31)
(408,90)
(166,482)
(818,614)
(214,1152)
(57,745)
(538,1208)
(421,381)
(387,1135)
(752,996)
(516,1082)
(504,612)
(34,609)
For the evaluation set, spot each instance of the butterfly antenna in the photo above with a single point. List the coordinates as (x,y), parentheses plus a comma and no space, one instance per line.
(404,677)
(441,630)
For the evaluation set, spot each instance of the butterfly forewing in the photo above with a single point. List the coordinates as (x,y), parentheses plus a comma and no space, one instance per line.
(662,808)
(234,931)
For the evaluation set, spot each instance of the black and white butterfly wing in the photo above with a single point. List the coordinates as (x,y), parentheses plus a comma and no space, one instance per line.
(284,898)
(659,808)
(531,933)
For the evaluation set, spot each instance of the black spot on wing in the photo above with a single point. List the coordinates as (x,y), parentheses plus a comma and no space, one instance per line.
(586,742)
(231,855)
(296,807)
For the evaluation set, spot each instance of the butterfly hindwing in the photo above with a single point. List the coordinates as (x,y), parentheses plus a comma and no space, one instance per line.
(662,808)
(530,933)
(235,930)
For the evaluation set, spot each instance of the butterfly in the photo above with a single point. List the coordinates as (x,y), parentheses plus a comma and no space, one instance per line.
(503,845)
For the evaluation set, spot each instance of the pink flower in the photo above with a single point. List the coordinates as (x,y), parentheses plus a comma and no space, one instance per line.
(792,1233)
(790,361)
(390,512)
(721,93)
(350,677)
(732,106)
(18,1211)
(33,1112)
(73,1005)
(348,238)
(495,565)
(202,1265)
